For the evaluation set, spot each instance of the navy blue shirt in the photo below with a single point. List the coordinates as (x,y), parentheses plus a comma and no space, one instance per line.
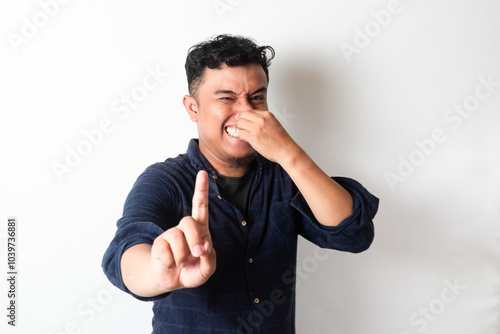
(253,287)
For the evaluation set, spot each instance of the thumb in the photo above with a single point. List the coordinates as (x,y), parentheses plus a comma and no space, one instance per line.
(208,261)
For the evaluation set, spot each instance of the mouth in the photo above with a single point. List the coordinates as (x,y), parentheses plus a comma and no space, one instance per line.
(232,131)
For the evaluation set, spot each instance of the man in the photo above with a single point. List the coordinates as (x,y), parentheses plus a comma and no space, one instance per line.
(211,235)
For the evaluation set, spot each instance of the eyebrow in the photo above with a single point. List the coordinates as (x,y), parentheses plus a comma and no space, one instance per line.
(230,92)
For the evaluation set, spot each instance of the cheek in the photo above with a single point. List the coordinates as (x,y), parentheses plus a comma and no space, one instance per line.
(218,115)
(211,121)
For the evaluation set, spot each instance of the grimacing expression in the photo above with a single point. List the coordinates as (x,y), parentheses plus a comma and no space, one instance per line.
(221,95)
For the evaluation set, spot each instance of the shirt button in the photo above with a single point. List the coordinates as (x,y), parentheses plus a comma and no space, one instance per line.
(219,197)
(256,300)
(244,223)
(250,260)
(214,177)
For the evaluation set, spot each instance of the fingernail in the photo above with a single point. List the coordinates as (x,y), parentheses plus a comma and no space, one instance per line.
(197,250)
(208,249)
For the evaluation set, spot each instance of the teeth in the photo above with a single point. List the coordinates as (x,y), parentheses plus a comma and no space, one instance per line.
(233,132)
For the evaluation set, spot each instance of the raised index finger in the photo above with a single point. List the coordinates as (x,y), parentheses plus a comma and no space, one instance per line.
(200,198)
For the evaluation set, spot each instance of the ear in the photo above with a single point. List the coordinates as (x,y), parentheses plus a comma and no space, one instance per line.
(191,107)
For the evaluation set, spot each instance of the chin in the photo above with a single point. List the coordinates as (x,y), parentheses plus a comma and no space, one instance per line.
(240,156)
(243,149)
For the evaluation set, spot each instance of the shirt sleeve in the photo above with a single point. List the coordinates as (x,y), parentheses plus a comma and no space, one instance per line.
(144,218)
(354,234)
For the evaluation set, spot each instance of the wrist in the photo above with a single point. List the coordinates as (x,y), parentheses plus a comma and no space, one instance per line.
(291,157)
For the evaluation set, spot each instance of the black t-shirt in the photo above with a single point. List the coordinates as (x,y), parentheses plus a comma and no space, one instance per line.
(237,189)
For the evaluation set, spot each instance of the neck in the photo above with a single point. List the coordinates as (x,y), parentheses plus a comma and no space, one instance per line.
(232,166)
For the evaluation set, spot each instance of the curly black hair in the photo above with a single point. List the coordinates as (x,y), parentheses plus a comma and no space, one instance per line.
(231,50)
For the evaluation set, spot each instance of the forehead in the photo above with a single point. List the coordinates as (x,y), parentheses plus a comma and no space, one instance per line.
(239,79)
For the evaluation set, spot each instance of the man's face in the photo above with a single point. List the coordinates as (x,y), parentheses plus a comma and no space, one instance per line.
(221,95)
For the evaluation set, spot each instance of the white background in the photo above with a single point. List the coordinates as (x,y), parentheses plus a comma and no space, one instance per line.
(357,115)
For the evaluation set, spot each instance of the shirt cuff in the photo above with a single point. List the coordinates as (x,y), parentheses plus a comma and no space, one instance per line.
(358,226)
(129,235)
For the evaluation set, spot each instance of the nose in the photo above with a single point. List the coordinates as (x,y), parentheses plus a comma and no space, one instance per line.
(243,104)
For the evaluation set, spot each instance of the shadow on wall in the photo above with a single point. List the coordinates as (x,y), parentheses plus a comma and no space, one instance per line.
(317,95)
